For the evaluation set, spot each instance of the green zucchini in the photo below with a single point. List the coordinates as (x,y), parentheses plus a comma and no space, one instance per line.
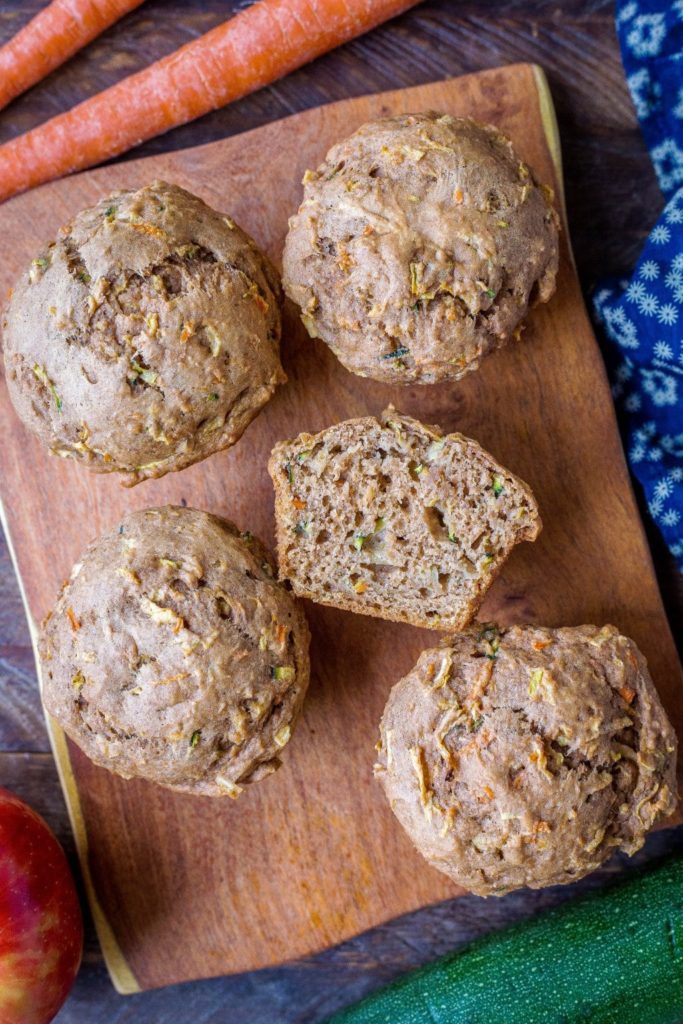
(613,957)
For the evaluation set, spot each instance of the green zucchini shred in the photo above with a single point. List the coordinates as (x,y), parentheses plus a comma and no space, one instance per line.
(41,373)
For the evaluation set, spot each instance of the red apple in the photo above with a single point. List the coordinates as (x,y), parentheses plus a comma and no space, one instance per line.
(41,929)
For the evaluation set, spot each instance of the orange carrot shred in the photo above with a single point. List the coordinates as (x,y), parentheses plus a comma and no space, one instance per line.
(298,503)
(48,40)
(254,48)
(148,229)
(75,624)
(628,694)
(187,331)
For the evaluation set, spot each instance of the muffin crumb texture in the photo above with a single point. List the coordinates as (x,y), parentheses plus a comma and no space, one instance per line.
(392,518)
(420,244)
(174,655)
(146,337)
(527,756)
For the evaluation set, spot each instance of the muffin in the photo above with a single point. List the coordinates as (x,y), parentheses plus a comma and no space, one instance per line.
(419,246)
(146,337)
(526,756)
(173,654)
(392,518)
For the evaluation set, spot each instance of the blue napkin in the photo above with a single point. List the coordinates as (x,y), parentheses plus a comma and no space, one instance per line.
(643,317)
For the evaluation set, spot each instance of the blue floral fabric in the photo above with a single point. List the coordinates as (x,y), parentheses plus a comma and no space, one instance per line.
(643,317)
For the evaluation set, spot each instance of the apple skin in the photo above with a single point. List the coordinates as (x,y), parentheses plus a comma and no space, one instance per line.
(41,928)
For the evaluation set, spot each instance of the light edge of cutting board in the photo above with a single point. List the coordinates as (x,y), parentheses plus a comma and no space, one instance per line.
(121,975)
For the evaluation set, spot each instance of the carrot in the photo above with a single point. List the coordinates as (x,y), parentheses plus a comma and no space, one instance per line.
(257,46)
(55,34)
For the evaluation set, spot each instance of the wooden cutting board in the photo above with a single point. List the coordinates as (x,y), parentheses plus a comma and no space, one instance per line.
(185,887)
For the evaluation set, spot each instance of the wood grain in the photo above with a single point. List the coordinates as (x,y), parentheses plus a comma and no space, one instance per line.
(613,201)
(313,855)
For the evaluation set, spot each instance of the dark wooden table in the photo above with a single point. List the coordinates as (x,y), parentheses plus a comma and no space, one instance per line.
(612,199)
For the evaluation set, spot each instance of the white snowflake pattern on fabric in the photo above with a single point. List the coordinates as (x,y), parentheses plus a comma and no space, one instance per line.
(663,350)
(622,327)
(648,305)
(645,92)
(649,270)
(673,213)
(674,446)
(668,314)
(663,488)
(660,386)
(636,291)
(647,34)
(628,11)
(642,318)
(602,295)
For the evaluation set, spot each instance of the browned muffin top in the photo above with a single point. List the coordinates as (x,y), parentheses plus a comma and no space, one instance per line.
(174,655)
(420,243)
(146,337)
(526,756)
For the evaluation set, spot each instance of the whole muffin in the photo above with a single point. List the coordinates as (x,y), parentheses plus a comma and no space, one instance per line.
(526,756)
(146,337)
(420,243)
(173,654)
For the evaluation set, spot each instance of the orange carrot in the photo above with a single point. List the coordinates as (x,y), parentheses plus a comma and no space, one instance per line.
(257,46)
(55,34)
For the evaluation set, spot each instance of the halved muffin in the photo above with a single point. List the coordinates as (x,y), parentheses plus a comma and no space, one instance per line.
(392,518)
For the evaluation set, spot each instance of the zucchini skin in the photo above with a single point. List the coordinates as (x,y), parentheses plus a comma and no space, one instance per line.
(612,957)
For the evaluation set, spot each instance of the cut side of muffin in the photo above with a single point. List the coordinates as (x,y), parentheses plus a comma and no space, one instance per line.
(392,518)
